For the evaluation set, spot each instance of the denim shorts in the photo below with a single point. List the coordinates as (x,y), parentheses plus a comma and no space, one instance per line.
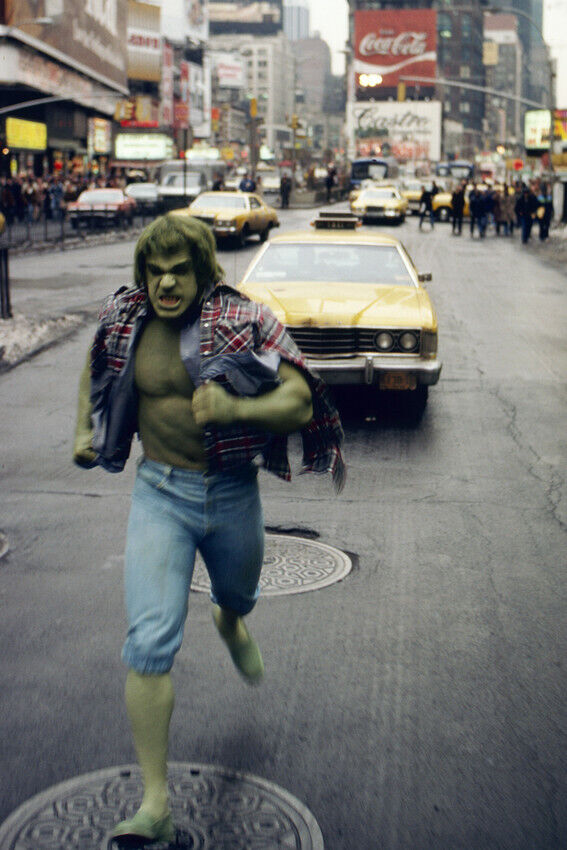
(174,513)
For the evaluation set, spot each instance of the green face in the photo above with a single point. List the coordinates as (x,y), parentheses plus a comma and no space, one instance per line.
(172,285)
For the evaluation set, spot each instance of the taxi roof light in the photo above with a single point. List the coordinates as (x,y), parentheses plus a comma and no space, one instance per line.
(336,221)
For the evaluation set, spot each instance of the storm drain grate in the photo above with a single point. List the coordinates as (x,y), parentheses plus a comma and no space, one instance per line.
(291,565)
(213,807)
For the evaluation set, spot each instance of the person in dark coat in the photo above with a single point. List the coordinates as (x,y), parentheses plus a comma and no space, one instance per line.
(544,211)
(475,208)
(285,190)
(458,206)
(426,206)
(526,208)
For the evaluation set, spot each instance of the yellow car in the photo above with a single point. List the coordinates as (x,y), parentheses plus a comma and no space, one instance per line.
(380,203)
(234,215)
(355,305)
(411,190)
(443,206)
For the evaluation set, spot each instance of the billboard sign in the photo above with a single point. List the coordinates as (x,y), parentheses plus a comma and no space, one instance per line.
(260,17)
(184,19)
(144,42)
(143,146)
(229,68)
(90,34)
(166,88)
(537,131)
(406,131)
(27,135)
(395,42)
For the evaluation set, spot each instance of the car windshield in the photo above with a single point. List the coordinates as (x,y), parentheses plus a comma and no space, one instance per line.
(191,179)
(210,202)
(379,194)
(101,196)
(331,263)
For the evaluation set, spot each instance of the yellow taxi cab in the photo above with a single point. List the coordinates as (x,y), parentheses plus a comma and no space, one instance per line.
(443,206)
(354,303)
(233,215)
(380,203)
(411,190)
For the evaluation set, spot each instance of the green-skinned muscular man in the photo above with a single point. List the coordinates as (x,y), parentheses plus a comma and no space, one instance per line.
(212,384)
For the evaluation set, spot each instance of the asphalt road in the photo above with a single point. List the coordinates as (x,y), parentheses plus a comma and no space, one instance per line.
(419,703)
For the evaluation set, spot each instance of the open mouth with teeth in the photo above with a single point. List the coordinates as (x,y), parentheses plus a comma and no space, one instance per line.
(169,300)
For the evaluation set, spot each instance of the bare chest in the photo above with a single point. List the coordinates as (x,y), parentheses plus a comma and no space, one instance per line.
(159,369)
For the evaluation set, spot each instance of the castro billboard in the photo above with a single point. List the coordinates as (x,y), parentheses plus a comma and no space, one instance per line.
(395,43)
(406,131)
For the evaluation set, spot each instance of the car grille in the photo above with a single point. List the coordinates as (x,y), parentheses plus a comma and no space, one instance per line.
(377,210)
(320,342)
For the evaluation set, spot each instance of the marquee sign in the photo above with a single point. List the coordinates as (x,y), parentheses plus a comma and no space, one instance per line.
(395,42)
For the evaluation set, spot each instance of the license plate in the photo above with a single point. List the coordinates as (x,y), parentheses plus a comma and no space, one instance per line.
(397,381)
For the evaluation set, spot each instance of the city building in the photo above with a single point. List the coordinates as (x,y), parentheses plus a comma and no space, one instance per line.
(269,68)
(504,67)
(169,81)
(73,62)
(296,20)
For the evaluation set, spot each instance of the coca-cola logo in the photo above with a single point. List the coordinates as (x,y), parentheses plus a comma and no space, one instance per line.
(403,44)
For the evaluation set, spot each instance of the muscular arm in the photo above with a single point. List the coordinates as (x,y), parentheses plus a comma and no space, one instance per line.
(83,453)
(281,411)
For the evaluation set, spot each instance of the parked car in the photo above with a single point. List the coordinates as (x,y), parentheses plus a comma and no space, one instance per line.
(234,215)
(146,196)
(380,203)
(355,305)
(98,207)
(178,188)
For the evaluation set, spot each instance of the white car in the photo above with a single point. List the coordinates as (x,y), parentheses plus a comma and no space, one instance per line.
(179,189)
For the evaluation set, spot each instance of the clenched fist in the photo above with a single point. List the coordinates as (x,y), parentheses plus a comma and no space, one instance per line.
(211,403)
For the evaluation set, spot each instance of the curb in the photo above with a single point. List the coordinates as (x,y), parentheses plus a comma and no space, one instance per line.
(4,545)
(60,337)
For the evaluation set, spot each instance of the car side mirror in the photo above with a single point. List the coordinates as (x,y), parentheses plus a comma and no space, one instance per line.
(424,276)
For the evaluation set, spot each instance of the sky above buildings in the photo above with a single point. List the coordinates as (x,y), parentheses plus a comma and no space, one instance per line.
(555,32)
(330,18)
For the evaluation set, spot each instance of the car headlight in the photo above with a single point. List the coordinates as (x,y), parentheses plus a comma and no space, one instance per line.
(223,223)
(408,341)
(384,341)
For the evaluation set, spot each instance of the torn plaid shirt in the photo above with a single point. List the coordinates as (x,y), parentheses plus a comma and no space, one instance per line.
(235,341)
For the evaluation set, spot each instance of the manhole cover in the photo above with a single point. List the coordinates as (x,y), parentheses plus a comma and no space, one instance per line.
(213,807)
(291,565)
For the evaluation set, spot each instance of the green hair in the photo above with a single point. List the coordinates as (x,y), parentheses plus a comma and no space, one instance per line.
(173,232)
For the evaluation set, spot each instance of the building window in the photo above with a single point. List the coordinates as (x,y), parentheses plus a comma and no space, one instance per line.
(464,106)
(466,26)
(464,72)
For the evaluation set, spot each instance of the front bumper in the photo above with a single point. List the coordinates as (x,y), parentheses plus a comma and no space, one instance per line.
(368,369)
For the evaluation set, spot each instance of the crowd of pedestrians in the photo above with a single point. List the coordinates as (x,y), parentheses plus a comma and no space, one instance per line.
(26,198)
(506,208)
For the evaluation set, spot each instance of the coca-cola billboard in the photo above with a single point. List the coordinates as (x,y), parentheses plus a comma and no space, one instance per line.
(394,43)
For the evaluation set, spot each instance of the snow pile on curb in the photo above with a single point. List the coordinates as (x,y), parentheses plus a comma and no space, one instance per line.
(20,337)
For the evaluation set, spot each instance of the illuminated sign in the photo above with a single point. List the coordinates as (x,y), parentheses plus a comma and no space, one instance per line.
(150,146)
(29,135)
(407,131)
(537,131)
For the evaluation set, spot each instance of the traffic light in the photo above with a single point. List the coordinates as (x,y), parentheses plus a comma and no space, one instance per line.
(294,122)
(253,107)
(401,92)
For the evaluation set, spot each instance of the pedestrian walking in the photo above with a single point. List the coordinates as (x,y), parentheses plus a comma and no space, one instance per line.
(526,209)
(475,208)
(457,208)
(426,206)
(544,211)
(212,383)
(285,190)
(247,184)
